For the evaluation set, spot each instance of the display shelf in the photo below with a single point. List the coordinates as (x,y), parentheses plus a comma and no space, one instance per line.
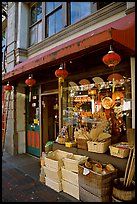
(119,163)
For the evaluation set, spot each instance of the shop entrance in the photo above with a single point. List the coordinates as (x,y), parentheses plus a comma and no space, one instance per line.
(32,122)
(49,118)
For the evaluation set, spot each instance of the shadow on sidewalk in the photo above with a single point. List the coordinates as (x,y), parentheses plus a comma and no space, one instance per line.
(20,181)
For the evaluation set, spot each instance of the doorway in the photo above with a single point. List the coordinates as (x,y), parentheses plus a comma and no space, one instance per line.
(49,118)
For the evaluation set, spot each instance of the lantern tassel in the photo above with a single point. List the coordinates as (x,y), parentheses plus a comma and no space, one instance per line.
(113,86)
(30,95)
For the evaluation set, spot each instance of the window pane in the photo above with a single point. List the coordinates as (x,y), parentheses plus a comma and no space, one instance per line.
(51,25)
(39,11)
(33,15)
(33,33)
(39,32)
(74,12)
(59,20)
(49,7)
(84,9)
(79,10)
(57,4)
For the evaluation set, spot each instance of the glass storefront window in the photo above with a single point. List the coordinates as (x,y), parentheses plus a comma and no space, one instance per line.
(108,103)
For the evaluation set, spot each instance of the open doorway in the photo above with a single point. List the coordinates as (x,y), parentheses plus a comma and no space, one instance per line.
(49,113)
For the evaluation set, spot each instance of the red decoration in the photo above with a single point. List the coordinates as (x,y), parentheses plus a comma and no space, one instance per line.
(30,81)
(63,73)
(111,59)
(8,87)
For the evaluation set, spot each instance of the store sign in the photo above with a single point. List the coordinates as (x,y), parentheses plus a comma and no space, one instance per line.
(94,115)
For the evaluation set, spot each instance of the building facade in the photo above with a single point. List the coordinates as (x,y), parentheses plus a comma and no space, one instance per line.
(38,38)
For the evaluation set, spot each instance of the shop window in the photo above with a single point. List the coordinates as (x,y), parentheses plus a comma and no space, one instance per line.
(36,23)
(54,22)
(104,102)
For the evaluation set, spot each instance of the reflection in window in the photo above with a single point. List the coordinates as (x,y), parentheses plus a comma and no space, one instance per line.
(36,12)
(53,18)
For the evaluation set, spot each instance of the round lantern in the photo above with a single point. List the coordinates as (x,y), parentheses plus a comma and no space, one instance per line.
(8,88)
(111,59)
(61,74)
(30,82)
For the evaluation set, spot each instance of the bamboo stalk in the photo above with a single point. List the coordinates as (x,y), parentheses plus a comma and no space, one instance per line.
(127,166)
(130,169)
(132,174)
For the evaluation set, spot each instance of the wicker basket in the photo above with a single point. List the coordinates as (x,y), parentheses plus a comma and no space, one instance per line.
(61,140)
(98,147)
(119,152)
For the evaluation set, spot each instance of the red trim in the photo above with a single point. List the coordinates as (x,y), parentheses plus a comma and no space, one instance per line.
(29,143)
(33,138)
(37,140)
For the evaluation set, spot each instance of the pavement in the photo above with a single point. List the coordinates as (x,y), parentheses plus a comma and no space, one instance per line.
(20,181)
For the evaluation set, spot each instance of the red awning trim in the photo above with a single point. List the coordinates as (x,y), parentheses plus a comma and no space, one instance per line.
(121,31)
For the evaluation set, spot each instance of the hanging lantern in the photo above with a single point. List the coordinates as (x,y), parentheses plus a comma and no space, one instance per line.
(8,88)
(61,74)
(111,59)
(30,82)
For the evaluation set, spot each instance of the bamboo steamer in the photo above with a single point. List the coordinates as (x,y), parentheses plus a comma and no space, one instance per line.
(122,193)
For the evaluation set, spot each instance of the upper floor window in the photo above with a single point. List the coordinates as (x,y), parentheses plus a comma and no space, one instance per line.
(36,23)
(54,21)
(48,18)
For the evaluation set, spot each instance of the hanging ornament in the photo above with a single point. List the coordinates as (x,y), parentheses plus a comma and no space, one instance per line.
(30,82)
(111,59)
(61,74)
(8,88)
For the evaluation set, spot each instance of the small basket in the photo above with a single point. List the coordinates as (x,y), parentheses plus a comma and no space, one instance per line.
(82,144)
(61,140)
(98,147)
(119,152)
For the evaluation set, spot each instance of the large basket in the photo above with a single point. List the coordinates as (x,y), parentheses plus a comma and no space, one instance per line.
(96,183)
(98,147)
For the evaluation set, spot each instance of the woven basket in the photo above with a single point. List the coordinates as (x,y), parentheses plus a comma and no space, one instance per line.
(98,147)
(61,140)
(119,152)
(82,144)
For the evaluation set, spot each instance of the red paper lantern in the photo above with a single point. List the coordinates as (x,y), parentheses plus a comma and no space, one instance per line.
(111,59)
(61,73)
(8,87)
(30,81)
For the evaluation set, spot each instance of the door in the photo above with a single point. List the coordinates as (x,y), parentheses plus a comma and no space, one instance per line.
(50,127)
(32,123)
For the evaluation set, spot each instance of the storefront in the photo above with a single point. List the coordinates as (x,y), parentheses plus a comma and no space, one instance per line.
(82,100)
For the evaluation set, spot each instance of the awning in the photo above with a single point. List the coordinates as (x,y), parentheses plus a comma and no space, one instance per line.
(121,32)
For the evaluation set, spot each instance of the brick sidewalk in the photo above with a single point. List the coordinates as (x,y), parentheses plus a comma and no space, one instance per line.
(20,181)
